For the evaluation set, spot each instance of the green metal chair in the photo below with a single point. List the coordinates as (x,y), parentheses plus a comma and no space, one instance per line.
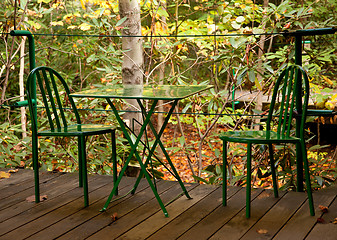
(291,91)
(53,94)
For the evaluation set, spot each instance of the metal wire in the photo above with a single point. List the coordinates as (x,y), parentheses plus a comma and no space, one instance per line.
(163,112)
(156,36)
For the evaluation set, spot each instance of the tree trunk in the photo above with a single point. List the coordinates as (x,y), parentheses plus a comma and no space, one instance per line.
(161,81)
(133,58)
(22,88)
(132,65)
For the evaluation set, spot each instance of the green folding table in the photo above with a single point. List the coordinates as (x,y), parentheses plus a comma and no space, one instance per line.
(140,93)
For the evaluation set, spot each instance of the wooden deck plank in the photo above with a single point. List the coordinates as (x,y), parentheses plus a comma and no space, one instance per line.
(140,214)
(15,179)
(131,211)
(301,222)
(70,211)
(326,230)
(274,220)
(20,191)
(157,221)
(42,208)
(49,188)
(220,216)
(239,225)
(62,215)
(193,215)
(74,220)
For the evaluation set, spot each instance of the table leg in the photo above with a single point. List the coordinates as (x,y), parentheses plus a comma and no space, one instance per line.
(134,152)
(158,141)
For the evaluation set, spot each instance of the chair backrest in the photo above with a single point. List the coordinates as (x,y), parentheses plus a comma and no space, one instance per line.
(290,99)
(53,92)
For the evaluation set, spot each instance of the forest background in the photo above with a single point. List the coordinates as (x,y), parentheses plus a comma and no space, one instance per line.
(234,45)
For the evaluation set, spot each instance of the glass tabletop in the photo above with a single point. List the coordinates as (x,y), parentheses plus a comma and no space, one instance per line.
(159,92)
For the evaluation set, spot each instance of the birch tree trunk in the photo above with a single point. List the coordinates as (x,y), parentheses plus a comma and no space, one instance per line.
(133,58)
(161,81)
(132,66)
(22,88)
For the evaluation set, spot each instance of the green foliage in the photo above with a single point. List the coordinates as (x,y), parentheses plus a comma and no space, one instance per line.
(12,148)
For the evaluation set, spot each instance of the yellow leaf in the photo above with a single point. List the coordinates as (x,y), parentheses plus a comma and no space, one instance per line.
(83,4)
(334,98)
(262,231)
(327,80)
(4,175)
(84,27)
(257,84)
(278,16)
(59,23)
(329,105)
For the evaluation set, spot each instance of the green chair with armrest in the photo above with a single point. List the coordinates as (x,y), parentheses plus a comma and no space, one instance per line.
(53,94)
(289,100)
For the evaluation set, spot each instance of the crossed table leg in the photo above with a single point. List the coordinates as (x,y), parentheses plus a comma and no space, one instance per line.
(147,122)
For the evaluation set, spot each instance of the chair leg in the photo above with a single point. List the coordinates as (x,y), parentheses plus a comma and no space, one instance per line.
(307,179)
(224,173)
(36,167)
(82,153)
(272,167)
(299,167)
(249,179)
(80,164)
(114,159)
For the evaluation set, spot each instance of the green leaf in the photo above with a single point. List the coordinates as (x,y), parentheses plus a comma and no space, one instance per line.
(121,21)
(182,141)
(270,69)
(162,12)
(23,4)
(316,147)
(320,180)
(236,42)
(242,75)
(199,179)
(251,75)
(187,107)
(217,152)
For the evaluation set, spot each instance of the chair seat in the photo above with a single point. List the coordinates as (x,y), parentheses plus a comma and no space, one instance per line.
(78,130)
(258,137)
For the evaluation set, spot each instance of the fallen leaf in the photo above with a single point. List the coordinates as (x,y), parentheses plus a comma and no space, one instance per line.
(32,198)
(114,217)
(334,221)
(4,175)
(13,170)
(323,208)
(320,220)
(262,231)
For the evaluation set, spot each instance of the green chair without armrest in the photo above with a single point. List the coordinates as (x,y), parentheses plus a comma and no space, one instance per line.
(53,93)
(289,101)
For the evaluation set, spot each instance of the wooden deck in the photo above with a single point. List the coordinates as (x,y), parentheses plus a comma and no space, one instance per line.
(62,215)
